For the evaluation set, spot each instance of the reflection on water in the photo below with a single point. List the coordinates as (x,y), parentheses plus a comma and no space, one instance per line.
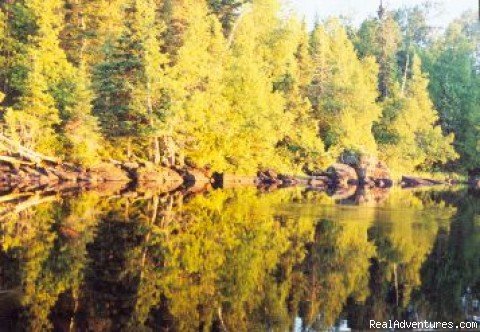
(239,260)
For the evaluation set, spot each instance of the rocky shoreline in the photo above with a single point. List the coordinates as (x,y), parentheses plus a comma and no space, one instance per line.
(23,175)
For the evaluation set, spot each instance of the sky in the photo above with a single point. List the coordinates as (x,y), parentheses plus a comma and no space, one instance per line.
(361,9)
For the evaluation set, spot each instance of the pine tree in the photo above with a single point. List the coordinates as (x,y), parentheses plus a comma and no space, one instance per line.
(18,24)
(3,26)
(89,25)
(33,122)
(199,108)
(150,87)
(343,92)
(381,38)
(415,139)
(128,82)
(227,12)
(302,145)
(455,86)
(52,99)
(257,113)
(51,58)
(81,129)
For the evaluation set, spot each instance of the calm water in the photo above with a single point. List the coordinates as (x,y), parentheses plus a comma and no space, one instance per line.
(238,260)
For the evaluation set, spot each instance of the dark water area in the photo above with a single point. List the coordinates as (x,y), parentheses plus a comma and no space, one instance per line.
(239,260)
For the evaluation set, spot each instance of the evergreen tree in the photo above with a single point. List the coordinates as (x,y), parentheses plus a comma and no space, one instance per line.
(410,136)
(200,110)
(343,92)
(127,81)
(18,25)
(455,88)
(3,25)
(33,120)
(236,84)
(302,145)
(81,129)
(89,24)
(381,38)
(227,12)
(257,111)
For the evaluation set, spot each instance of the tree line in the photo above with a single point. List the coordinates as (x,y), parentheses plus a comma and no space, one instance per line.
(237,85)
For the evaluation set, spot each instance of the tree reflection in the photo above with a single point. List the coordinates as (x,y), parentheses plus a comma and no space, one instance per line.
(236,260)
(453,265)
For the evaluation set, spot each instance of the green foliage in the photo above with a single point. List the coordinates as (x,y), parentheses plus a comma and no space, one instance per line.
(455,87)
(237,85)
(409,135)
(380,38)
(81,129)
(343,91)
(31,124)
(249,259)
(227,12)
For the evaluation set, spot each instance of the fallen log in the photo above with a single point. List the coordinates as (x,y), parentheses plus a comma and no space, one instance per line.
(24,152)
(15,162)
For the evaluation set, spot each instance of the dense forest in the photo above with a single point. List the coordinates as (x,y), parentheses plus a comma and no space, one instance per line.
(237,85)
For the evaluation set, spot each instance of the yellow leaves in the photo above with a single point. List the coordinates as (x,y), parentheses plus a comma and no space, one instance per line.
(31,125)
(420,142)
(345,89)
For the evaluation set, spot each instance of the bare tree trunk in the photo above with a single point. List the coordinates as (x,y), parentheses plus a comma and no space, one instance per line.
(181,159)
(129,147)
(83,27)
(75,310)
(171,148)
(246,9)
(155,145)
(147,237)
(404,80)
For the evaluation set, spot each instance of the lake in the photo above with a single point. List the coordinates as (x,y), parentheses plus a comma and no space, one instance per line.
(238,260)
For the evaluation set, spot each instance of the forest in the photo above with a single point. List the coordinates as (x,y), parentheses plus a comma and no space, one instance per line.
(237,85)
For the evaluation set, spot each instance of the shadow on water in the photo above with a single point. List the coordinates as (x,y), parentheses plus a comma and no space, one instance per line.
(239,260)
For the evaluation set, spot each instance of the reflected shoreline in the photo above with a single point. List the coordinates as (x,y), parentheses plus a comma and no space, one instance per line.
(238,259)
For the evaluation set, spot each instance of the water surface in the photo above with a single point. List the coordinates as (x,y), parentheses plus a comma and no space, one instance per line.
(238,260)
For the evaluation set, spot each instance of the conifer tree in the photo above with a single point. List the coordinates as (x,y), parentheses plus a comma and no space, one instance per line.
(227,12)
(343,92)
(128,82)
(3,26)
(35,115)
(199,108)
(89,24)
(381,38)
(51,59)
(415,139)
(455,87)
(81,129)
(302,144)
(257,112)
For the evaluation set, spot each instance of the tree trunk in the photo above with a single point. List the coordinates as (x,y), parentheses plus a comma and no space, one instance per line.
(155,145)
(129,147)
(156,156)
(404,81)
